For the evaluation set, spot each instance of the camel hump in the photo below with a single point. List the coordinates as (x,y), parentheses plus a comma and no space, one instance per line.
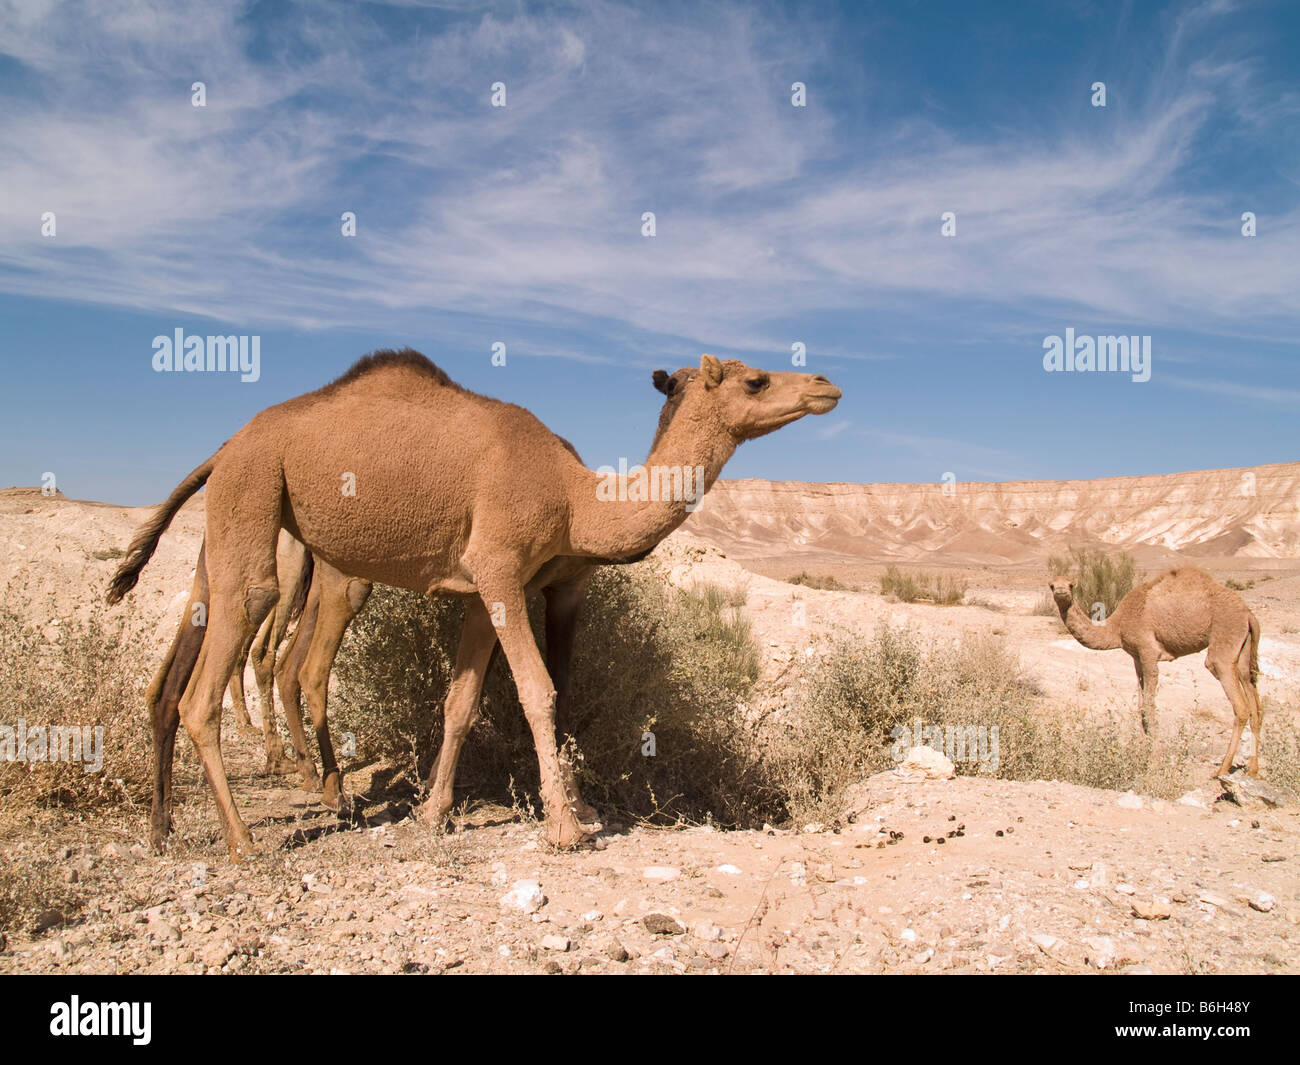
(386,360)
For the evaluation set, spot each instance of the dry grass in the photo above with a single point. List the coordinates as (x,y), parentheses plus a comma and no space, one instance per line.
(858,694)
(76,674)
(825,584)
(945,590)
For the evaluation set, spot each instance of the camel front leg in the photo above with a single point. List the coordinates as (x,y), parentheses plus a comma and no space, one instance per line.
(478,640)
(1148,671)
(508,610)
(563,604)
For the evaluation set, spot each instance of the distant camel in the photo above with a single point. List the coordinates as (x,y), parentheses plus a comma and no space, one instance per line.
(327,601)
(396,475)
(1180,613)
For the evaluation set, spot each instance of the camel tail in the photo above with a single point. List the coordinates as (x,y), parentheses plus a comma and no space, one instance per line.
(146,540)
(1254,648)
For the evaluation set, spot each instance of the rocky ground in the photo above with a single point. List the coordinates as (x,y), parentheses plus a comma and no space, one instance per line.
(954,875)
(957,875)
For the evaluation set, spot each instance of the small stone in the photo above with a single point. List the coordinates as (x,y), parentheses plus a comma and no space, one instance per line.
(616,952)
(707,931)
(1155,909)
(925,763)
(661,873)
(524,896)
(48,919)
(660,924)
(553,942)
(1263,902)
(1101,951)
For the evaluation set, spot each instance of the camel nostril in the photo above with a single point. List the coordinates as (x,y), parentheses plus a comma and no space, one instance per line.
(820,379)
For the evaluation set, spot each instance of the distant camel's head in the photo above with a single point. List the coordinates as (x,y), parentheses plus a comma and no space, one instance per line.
(1062,590)
(750,402)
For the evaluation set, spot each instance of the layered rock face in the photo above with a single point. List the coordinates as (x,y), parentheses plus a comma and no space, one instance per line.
(1252,512)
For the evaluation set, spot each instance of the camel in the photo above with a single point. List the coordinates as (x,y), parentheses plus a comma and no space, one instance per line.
(394,474)
(331,601)
(1179,613)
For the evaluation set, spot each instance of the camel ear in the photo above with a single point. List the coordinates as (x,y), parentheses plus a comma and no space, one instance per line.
(663,382)
(712,371)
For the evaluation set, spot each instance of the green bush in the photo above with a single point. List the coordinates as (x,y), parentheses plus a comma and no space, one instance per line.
(1098,577)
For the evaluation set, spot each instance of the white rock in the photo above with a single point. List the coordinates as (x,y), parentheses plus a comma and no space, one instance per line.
(707,931)
(1193,799)
(925,763)
(729,870)
(560,943)
(1043,942)
(524,896)
(1129,801)
(1101,951)
(1263,902)
(661,873)
(909,934)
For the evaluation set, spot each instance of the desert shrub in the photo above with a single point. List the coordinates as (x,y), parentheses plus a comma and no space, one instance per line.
(825,584)
(649,658)
(88,676)
(917,587)
(860,692)
(1098,577)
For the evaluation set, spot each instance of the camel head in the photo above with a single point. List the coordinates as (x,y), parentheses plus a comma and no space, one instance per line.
(1062,589)
(750,403)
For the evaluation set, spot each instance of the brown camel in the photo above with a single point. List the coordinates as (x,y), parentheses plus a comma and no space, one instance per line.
(332,600)
(1179,613)
(395,474)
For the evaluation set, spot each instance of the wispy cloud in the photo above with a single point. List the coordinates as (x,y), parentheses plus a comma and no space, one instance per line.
(532,213)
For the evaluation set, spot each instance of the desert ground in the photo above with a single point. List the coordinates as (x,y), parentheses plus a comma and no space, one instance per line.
(963,874)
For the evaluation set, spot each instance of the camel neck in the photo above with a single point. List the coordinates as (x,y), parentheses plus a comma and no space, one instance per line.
(625,512)
(1096,637)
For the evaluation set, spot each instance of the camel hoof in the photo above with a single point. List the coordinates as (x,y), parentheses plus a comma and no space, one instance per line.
(242,849)
(279,766)
(430,813)
(566,834)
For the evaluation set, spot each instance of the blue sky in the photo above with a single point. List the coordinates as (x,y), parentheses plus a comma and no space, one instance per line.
(775,224)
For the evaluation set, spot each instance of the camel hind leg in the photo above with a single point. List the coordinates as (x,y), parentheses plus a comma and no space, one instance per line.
(164,702)
(1247,675)
(340,600)
(288,667)
(1223,661)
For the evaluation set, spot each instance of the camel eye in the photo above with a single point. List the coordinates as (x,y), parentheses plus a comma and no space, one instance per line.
(755,385)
